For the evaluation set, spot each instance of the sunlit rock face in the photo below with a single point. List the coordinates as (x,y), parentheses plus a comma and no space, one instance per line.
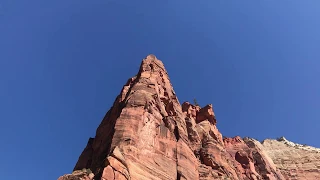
(295,161)
(148,134)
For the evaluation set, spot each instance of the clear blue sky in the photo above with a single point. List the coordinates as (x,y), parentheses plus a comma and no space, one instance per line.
(63,62)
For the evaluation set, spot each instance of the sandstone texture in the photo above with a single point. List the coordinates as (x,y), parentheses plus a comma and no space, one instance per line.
(148,134)
(295,161)
(84,174)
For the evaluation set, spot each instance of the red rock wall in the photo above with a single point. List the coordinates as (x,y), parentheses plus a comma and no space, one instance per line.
(147,134)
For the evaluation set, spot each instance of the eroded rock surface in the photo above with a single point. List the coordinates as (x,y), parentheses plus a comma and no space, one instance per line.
(144,135)
(251,159)
(84,174)
(295,161)
(148,134)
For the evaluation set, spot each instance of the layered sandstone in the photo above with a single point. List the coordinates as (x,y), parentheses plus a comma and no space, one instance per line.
(295,161)
(84,174)
(148,134)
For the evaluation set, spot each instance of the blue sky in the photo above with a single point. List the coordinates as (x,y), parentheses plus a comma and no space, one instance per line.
(62,63)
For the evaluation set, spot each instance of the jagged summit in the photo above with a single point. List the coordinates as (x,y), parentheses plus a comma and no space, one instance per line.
(152,64)
(148,134)
(281,139)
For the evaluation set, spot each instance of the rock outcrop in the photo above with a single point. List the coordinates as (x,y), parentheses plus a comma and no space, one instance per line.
(148,134)
(84,174)
(295,161)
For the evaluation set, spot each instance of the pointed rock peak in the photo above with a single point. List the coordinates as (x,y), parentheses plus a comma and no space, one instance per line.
(152,64)
(151,57)
(148,134)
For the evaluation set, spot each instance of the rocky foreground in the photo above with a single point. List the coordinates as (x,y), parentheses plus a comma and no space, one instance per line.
(148,134)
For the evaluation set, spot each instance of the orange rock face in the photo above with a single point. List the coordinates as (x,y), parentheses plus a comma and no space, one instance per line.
(147,134)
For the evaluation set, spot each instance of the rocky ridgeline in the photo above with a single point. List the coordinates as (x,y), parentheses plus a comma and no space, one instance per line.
(148,134)
(295,161)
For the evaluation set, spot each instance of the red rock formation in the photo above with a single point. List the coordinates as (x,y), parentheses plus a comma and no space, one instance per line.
(250,159)
(147,134)
(144,135)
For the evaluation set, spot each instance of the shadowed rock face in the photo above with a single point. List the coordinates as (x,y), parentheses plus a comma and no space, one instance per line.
(147,134)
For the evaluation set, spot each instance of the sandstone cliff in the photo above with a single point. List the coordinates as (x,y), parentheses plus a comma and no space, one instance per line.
(148,134)
(295,161)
